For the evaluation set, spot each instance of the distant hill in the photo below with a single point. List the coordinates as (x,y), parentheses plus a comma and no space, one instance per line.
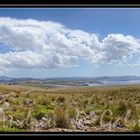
(117,78)
(5,78)
(69,80)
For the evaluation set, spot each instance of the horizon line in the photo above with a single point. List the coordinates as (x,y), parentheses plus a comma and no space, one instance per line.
(68,76)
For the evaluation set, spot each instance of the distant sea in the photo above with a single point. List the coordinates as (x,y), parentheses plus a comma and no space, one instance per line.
(115,83)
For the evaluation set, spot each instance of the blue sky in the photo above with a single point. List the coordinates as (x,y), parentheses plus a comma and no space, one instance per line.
(101,21)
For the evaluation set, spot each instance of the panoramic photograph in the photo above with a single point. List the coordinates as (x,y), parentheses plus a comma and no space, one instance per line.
(69,70)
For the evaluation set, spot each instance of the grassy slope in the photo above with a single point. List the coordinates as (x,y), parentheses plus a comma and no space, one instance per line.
(61,105)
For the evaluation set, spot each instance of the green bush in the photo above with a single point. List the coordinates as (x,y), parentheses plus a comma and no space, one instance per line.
(72,112)
(122,107)
(40,111)
(6,128)
(135,127)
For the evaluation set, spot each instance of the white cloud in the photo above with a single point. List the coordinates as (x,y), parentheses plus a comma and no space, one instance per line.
(45,44)
(119,48)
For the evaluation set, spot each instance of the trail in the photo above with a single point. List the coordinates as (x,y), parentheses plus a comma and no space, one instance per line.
(27,91)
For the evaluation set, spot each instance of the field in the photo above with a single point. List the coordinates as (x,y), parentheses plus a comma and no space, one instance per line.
(104,108)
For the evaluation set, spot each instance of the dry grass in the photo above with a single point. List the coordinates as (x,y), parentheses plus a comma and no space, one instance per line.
(58,108)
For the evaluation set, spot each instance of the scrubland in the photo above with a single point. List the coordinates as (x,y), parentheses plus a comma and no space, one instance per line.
(94,109)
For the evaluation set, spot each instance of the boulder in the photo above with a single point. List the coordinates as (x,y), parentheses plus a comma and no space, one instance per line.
(2,97)
(28,102)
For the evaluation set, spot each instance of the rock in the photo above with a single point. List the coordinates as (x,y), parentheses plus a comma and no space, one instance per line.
(1,114)
(6,105)
(87,122)
(28,102)
(88,117)
(2,97)
(1,110)
(82,113)
(53,104)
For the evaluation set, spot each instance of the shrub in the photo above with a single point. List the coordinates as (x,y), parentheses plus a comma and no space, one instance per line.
(85,102)
(122,107)
(6,128)
(135,127)
(16,115)
(44,102)
(61,99)
(92,102)
(62,119)
(72,112)
(40,112)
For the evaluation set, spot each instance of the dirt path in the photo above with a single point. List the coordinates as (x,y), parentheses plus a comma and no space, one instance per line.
(28,91)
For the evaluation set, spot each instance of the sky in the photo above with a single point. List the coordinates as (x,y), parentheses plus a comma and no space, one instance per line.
(69,42)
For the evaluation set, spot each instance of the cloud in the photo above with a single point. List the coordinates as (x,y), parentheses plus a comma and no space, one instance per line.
(46,44)
(119,48)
